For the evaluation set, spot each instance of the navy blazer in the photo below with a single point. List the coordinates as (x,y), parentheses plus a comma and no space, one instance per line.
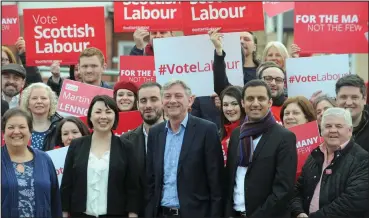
(199,173)
(47,195)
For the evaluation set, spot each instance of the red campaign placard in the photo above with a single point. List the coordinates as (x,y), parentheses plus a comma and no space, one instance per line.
(200,17)
(274,8)
(137,69)
(307,139)
(127,121)
(10,31)
(75,97)
(160,16)
(62,33)
(331,27)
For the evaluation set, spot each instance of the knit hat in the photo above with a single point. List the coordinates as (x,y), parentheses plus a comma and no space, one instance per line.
(125,85)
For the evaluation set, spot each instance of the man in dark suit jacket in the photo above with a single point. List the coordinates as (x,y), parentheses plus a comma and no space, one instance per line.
(184,161)
(204,107)
(262,160)
(151,109)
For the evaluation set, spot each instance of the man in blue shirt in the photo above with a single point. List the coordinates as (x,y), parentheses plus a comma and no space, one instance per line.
(184,161)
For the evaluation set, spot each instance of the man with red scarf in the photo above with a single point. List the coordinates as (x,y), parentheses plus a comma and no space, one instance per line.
(261,161)
(141,36)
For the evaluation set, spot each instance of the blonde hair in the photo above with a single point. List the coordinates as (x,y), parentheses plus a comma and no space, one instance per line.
(281,49)
(90,52)
(10,54)
(26,93)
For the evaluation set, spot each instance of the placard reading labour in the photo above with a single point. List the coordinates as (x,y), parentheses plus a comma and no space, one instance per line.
(75,97)
(200,17)
(62,33)
(331,27)
(161,16)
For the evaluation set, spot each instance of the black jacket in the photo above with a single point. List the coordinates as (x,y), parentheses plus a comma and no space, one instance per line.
(32,73)
(4,107)
(361,132)
(50,138)
(56,87)
(204,107)
(220,77)
(137,139)
(199,172)
(122,182)
(270,177)
(344,190)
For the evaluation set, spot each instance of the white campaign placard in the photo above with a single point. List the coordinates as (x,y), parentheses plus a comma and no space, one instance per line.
(58,157)
(190,58)
(310,74)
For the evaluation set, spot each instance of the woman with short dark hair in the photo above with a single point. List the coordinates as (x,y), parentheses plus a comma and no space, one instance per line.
(99,176)
(29,185)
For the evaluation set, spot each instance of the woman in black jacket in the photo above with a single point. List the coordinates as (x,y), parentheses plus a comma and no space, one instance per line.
(100,176)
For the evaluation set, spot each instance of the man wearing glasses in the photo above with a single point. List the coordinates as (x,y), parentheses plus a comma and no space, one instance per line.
(275,76)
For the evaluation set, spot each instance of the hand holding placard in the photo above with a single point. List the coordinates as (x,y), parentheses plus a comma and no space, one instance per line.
(216,39)
(139,37)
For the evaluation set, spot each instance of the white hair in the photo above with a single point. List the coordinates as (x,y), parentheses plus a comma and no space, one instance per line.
(26,94)
(279,46)
(338,112)
(169,84)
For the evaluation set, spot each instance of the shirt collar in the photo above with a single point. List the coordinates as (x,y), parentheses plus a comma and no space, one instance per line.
(183,123)
(12,99)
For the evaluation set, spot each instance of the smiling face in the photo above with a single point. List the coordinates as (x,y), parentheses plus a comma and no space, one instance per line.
(293,116)
(256,102)
(11,84)
(69,131)
(274,77)
(17,132)
(350,97)
(150,105)
(102,117)
(335,131)
(176,102)
(91,69)
(125,99)
(275,56)
(39,101)
(231,108)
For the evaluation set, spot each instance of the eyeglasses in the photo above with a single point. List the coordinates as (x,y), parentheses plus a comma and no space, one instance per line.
(270,79)
(4,60)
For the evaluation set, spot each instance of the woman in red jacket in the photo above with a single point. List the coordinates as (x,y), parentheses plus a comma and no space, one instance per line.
(231,115)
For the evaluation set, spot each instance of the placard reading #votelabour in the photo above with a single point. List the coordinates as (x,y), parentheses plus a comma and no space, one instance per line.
(200,17)
(163,16)
(62,33)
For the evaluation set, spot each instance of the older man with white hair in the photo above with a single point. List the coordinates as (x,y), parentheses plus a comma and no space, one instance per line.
(334,179)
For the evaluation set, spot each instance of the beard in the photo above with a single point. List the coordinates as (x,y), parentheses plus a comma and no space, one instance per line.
(151,120)
(10,93)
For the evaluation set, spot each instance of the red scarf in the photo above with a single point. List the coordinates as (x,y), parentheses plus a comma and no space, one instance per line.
(228,131)
(149,50)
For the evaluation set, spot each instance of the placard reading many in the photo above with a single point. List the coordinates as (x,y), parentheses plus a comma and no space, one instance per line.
(75,97)
(62,33)
(9,24)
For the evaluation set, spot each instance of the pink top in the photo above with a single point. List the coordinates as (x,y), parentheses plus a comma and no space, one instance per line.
(314,204)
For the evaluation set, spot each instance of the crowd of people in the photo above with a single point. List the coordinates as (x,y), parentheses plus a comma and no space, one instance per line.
(230,154)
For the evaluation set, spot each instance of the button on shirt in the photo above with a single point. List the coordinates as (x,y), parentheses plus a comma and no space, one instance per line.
(239,188)
(172,151)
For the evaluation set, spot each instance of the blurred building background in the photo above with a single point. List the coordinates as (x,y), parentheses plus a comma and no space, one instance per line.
(276,28)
